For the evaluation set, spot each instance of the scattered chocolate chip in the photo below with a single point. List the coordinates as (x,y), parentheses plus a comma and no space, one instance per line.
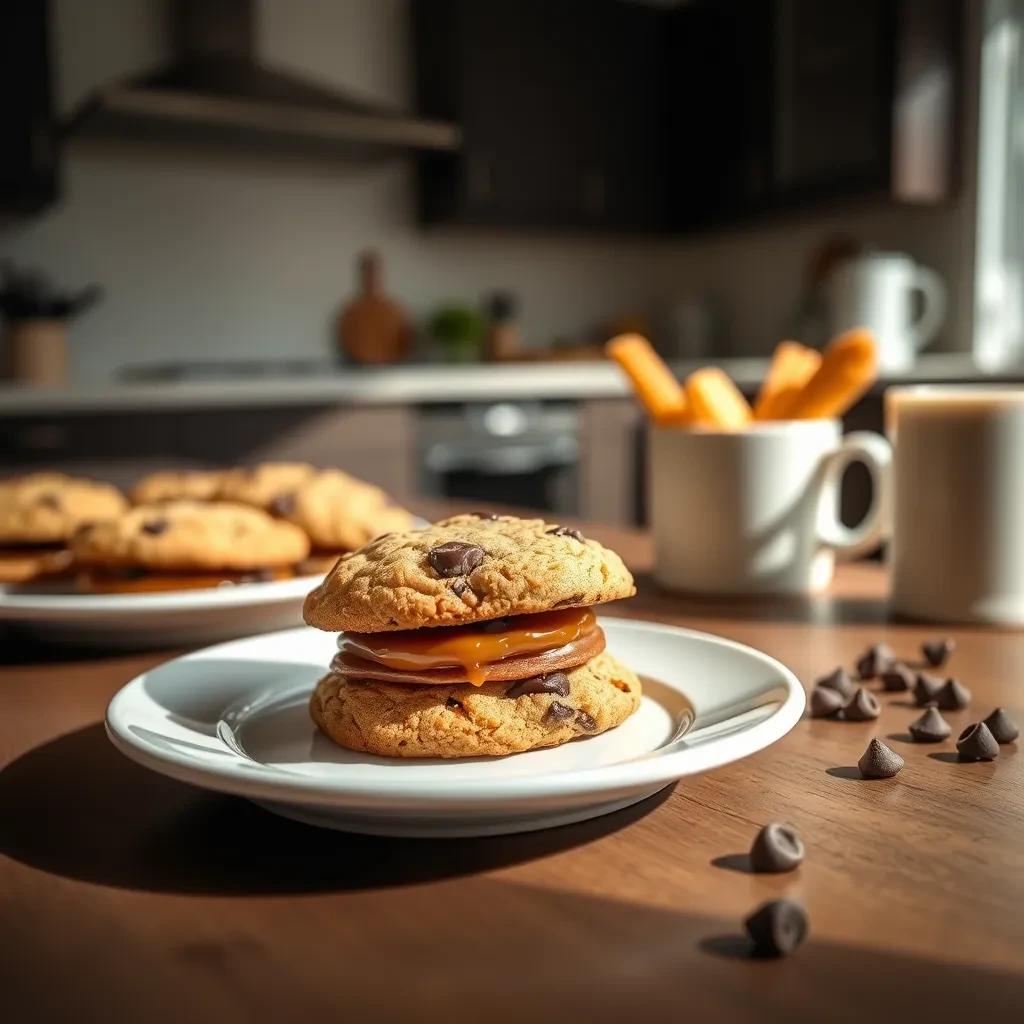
(862,706)
(492,516)
(459,587)
(825,703)
(976,743)
(931,727)
(585,722)
(937,652)
(557,682)
(48,500)
(878,658)
(566,531)
(777,928)
(880,761)
(926,688)
(154,527)
(839,680)
(558,712)
(455,558)
(1002,726)
(777,848)
(451,702)
(953,696)
(282,505)
(897,679)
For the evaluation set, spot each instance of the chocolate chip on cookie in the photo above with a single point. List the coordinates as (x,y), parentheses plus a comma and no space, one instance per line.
(49,500)
(566,531)
(556,682)
(585,721)
(455,558)
(282,505)
(155,527)
(558,712)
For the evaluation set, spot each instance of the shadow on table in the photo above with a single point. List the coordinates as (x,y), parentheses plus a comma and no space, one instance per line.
(77,807)
(653,599)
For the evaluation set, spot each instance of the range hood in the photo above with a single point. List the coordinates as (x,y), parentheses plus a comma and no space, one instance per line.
(218,92)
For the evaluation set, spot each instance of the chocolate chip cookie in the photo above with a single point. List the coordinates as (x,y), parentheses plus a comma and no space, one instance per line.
(466,569)
(190,484)
(186,535)
(47,508)
(494,719)
(268,486)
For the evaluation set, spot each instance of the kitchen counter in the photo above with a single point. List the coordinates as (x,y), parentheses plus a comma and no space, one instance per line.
(410,385)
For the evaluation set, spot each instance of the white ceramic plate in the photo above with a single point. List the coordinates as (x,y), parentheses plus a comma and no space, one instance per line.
(234,718)
(162,619)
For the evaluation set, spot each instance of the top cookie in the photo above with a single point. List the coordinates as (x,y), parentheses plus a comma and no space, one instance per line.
(194,484)
(266,485)
(186,535)
(465,569)
(47,508)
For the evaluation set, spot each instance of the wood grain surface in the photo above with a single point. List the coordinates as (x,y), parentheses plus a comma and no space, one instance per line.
(126,896)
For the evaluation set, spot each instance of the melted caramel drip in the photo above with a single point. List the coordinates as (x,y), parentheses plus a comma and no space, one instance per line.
(472,648)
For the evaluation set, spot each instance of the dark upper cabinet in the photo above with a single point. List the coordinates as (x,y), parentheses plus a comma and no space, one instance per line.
(650,118)
(28,167)
(562,109)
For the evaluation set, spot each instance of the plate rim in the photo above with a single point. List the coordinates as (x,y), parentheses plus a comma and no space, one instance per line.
(644,771)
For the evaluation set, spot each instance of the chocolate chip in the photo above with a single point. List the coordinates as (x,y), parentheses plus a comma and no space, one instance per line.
(566,531)
(839,680)
(451,702)
(455,558)
(976,743)
(459,587)
(154,527)
(777,928)
(825,703)
(862,707)
(558,713)
(572,599)
(878,658)
(557,682)
(880,761)
(282,505)
(925,689)
(776,848)
(585,722)
(1002,726)
(48,500)
(897,679)
(937,652)
(953,696)
(931,727)
(490,516)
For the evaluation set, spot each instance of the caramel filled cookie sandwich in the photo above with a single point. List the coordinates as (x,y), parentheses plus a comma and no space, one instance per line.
(186,544)
(39,514)
(474,636)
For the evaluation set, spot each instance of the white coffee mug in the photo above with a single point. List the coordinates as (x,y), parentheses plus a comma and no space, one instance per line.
(757,511)
(880,291)
(958,503)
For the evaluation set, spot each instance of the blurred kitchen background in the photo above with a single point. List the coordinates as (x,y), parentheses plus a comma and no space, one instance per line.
(392,235)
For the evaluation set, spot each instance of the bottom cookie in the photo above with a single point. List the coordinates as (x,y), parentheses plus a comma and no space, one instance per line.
(471,721)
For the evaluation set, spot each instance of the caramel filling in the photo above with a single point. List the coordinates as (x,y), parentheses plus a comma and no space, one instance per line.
(474,649)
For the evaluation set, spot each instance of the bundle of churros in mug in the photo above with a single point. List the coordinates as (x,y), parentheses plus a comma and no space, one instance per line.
(802,383)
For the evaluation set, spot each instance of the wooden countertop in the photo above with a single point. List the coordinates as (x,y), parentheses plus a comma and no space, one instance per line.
(124,895)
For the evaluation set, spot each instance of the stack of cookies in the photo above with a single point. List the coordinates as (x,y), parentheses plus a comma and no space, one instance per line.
(474,636)
(39,514)
(188,529)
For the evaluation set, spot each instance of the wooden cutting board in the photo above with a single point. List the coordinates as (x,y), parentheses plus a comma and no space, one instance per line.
(371,328)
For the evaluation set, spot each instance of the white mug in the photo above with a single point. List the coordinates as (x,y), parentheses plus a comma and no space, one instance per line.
(958,503)
(757,511)
(878,291)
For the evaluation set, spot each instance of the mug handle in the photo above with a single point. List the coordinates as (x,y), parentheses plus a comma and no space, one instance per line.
(933,307)
(852,541)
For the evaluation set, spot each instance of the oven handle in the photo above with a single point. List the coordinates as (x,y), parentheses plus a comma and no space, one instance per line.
(504,461)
